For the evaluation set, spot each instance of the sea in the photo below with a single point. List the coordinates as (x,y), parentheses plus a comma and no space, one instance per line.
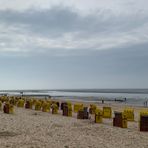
(134,97)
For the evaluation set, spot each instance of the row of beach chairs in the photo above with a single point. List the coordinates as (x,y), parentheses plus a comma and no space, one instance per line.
(120,119)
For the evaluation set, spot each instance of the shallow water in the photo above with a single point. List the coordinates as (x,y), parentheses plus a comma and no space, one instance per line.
(135,97)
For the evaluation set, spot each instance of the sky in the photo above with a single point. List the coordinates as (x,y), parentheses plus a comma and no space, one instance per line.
(57,44)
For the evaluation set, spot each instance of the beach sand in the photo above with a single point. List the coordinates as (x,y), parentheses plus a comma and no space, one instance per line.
(36,129)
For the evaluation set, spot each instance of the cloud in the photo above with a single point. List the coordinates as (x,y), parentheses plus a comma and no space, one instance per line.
(64,31)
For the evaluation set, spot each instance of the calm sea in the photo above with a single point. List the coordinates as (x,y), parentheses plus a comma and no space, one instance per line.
(135,97)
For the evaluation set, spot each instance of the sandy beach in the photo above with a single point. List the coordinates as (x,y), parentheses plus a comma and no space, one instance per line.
(28,128)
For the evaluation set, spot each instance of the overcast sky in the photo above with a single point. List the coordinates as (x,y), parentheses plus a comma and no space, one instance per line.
(47,44)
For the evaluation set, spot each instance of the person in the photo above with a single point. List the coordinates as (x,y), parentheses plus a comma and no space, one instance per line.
(144,103)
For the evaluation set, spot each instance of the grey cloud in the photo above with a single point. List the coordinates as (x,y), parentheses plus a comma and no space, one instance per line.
(43,31)
(53,21)
(57,21)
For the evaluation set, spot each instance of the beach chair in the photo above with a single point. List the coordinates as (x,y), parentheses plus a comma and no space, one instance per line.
(4,99)
(55,102)
(54,108)
(12,100)
(1,105)
(143,123)
(120,120)
(20,103)
(45,107)
(92,108)
(98,116)
(38,105)
(129,112)
(63,104)
(11,109)
(67,109)
(83,113)
(8,108)
(29,104)
(107,112)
